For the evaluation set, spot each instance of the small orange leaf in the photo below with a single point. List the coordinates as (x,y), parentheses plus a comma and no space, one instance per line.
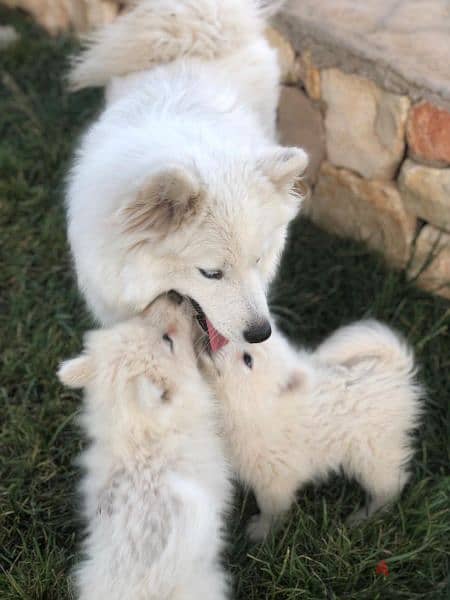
(382,568)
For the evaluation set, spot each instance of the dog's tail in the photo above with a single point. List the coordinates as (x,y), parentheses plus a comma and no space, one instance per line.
(153,32)
(367,339)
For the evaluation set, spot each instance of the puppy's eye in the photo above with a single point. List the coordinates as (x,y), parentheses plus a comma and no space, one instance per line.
(248,360)
(166,337)
(211,273)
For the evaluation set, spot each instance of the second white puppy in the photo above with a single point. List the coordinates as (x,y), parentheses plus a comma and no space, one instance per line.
(156,481)
(291,416)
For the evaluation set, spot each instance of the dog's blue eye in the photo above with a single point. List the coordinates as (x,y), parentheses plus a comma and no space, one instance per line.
(211,274)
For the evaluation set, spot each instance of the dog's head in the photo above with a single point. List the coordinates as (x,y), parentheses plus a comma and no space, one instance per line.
(138,374)
(214,232)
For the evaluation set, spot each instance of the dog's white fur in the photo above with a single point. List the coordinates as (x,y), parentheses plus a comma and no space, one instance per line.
(161,31)
(297,416)
(156,482)
(182,171)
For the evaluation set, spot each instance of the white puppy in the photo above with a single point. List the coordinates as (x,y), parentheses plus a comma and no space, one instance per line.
(291,417)
(156,483)
(180,183)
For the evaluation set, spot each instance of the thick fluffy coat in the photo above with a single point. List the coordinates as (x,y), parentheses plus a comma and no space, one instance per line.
(291,417)
(180,183)
(156,482)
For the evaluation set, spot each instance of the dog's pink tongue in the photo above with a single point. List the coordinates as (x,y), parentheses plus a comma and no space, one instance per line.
(216,339)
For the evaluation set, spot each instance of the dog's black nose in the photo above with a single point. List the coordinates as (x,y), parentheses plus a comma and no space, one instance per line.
(258,332)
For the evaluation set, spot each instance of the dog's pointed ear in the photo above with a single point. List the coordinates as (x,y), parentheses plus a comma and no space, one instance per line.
(76,372)
(168,199)
(283,166)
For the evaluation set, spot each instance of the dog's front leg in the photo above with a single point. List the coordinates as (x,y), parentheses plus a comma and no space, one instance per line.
(274,502)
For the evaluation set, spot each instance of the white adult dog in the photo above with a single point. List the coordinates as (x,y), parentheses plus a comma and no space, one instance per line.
(180,183)
(156,483)
(291,417)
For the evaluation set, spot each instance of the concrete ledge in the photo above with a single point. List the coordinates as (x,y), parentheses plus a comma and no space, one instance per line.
(402,45)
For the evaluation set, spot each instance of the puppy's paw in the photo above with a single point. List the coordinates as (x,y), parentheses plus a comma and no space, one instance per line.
(357,517)
(258,527)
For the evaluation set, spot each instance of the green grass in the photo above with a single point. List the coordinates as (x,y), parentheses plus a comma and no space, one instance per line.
(323,283)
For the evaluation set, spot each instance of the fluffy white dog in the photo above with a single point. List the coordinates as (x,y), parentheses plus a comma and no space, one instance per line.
(291,417)
(156,483)
(180,183)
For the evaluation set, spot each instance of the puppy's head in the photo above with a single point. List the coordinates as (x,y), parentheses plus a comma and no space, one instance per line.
(214,232)
(137,374)
(249,373)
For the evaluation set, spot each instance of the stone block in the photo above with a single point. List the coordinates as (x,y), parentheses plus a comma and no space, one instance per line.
(428,134)
(365,126)
(426,192)
(8,36)
(289,68)
(60,15)
(300,123)
(430,265)
(371,211)
(309,75)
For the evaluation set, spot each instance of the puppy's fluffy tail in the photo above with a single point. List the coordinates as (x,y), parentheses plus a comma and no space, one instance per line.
(362,340)
(154,32)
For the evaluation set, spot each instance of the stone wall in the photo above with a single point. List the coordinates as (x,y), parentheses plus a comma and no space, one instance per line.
(380,162)
(75,15)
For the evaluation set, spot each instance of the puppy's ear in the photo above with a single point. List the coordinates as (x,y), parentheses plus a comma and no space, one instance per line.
(76,372)
(170,198)
(283,166)
(296,381)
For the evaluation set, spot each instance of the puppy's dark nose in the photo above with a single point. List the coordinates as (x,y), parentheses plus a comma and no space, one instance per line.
(258,332)
(175,297)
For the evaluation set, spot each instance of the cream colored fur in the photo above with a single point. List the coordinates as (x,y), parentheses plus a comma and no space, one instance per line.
(296,416)
(156,483)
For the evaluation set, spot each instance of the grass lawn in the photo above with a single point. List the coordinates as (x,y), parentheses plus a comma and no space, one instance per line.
(323,283)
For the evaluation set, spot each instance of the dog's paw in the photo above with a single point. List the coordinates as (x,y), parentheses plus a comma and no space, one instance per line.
(257,529)
(357,517)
